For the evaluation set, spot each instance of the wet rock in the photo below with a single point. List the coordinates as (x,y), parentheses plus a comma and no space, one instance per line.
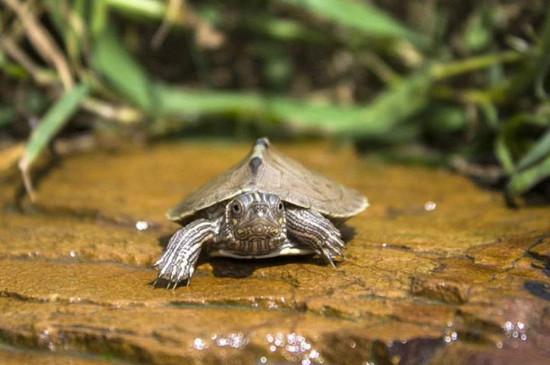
(541,248)
(436,270)
(452,281)
(41,235)
(9,355)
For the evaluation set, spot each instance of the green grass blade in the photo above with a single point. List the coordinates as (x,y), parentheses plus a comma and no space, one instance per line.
(126,76)
(51,123)
(526,179)
(282,29)
(188,102)
(534,67)
(540,150)
(366,19)
(390,108)
(98,17)
(503,155)
(377,118)
(149,8)
(374,119)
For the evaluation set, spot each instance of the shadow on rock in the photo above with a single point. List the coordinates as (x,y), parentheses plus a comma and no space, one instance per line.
(348,232)
(235,268)
(163,240)
(415,351)
(537,288)
(161,283)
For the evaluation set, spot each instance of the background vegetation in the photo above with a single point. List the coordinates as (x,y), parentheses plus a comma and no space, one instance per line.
(457,82)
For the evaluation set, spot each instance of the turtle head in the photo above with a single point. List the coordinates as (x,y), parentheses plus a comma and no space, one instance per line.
(255,216)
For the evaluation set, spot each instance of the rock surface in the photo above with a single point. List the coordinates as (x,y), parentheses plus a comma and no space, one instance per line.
(437,270)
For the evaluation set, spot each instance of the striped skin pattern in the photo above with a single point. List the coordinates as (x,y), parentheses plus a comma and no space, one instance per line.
(312,229)
(255,225)
(267,205)
(182,252)
(252,225)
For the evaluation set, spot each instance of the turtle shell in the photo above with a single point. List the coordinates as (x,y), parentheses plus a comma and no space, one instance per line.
(268,171)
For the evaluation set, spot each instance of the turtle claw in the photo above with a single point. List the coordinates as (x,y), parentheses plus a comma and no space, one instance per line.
(174,286)
(328,258)
(175,272)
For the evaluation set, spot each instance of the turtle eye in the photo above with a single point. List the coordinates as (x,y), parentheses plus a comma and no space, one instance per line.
(280,206)
(236,208)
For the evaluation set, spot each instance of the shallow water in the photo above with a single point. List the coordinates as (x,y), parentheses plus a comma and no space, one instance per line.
(437,270)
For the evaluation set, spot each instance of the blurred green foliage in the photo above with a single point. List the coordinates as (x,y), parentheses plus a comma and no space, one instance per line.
(464,79)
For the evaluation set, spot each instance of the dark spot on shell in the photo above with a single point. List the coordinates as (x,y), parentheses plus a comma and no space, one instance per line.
(254,164)
(262,141)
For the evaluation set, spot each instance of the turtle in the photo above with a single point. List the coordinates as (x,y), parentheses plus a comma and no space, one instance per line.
(265,206)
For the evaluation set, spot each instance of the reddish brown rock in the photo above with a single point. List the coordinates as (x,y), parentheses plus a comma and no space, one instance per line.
(436,270)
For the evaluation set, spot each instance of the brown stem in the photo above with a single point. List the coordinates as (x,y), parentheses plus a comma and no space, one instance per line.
(43,42)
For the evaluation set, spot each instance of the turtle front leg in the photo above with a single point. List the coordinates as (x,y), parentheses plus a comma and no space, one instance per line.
(312,229)
(177,263)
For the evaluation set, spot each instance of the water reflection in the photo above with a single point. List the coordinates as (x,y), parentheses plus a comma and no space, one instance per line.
(515,330)
(142,225)
(429,206)
(295,345)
